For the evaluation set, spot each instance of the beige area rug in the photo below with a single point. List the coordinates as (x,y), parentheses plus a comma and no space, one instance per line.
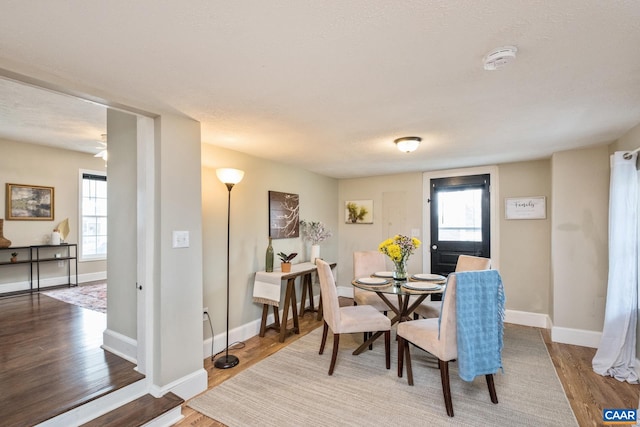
(93,297)
(292,388)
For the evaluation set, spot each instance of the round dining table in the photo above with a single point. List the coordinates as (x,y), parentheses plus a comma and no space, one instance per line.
(409,293)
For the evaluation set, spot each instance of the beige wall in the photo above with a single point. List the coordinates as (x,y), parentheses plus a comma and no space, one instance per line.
(525,245)
(579,248)
(177,294)
(397,209)
(249,227)
(122,214)
(22,163)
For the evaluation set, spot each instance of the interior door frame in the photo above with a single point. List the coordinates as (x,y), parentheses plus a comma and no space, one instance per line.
(494,206)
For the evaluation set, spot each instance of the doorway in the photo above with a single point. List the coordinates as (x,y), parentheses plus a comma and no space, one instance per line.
(459,180)
(459,210)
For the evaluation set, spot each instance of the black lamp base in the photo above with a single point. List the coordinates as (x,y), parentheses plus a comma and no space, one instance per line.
(226,362)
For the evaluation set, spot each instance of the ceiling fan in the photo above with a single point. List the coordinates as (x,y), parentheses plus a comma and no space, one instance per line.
(103,147)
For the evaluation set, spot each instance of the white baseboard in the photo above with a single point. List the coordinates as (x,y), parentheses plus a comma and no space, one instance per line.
(185,387)
(576,336)
(345,291)
(92,277)
(52,281)
(243,332)
(120,345)
(525,318)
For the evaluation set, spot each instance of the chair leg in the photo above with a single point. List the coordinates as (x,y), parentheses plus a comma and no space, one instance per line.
(369,334)
(492,388)
(324,337)
(387,348)
(334,356)
(400,355)
(446,388)
(408,360)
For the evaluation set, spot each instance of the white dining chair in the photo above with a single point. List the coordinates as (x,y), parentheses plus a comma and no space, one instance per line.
(480,347)
(366,263)
(349,319)
(429,309)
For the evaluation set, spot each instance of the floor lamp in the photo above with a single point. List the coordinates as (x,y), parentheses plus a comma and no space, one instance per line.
(229,177)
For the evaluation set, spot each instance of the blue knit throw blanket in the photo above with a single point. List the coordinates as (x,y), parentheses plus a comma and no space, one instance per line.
(480,322)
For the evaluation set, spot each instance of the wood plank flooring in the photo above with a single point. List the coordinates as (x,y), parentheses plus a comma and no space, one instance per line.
(588,392)
(51,359)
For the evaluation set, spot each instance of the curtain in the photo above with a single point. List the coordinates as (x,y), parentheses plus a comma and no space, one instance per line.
(616,353)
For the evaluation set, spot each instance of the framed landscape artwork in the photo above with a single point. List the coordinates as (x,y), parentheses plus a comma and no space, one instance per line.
(284,211)
(358,211)
(29,202)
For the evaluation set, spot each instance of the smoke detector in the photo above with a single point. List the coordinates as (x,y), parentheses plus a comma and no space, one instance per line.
(499,57)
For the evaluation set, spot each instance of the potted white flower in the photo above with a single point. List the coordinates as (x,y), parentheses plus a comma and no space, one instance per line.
(314,232)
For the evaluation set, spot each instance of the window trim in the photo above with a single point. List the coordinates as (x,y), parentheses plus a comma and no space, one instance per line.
(81,257)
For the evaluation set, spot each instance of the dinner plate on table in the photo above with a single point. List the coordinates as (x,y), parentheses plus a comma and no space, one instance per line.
(421,286)
(387,274)
(372,281)
(428,277)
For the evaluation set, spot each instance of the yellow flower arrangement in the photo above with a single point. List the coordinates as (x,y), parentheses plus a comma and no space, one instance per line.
(399,248)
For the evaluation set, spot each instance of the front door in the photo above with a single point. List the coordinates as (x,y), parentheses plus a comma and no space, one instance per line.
(460,219)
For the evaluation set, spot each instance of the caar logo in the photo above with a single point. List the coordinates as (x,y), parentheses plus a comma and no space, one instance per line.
(619,416)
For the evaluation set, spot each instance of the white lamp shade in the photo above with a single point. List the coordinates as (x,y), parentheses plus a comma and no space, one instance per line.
(408,143)
(229,175)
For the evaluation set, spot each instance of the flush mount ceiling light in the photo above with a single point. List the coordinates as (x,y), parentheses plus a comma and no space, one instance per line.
(499,57)
(408,143)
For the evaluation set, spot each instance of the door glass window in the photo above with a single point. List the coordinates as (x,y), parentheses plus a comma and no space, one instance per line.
(460,215)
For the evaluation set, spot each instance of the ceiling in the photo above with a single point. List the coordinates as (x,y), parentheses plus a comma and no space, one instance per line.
(328,85)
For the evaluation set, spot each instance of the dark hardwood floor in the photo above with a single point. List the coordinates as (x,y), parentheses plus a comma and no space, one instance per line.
(587,392)
(51,359)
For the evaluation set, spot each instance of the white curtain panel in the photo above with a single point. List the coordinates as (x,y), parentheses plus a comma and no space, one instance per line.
(617,350)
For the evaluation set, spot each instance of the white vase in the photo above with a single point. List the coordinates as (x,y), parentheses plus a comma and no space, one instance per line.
(55,238)
(315,253)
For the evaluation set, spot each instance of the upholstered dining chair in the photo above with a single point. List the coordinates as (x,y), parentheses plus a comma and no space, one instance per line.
(349,319)
(365,263)
(465,333)
(428,308)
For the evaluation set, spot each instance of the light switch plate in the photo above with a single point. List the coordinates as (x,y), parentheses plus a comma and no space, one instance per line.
(180,239)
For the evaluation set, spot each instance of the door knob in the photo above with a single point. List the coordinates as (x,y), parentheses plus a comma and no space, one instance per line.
(434,247)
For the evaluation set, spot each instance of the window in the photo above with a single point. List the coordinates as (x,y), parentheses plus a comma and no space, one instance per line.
(460,215)
(93,214)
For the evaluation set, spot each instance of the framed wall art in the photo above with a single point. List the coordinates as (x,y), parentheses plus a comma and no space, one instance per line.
(29,202)
(358,211)
(525,208)
(284,215)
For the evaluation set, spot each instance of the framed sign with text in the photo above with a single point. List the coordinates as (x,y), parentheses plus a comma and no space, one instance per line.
(525,207)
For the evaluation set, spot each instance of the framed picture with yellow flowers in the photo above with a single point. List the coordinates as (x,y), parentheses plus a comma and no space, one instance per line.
(358,211)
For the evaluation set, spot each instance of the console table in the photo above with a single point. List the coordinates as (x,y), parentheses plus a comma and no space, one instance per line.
(37,254)
(266,291)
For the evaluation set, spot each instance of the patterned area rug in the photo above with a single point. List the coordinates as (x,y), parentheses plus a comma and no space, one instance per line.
(93,297)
